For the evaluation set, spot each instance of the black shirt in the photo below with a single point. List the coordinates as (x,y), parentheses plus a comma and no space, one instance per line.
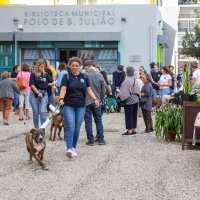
(118,78)
(40,82)
(156,77)
(76,89)
(13,75)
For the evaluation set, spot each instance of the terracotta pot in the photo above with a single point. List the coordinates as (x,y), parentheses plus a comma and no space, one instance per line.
(172,136)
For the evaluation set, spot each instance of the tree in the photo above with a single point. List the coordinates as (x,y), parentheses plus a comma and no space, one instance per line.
(191,41)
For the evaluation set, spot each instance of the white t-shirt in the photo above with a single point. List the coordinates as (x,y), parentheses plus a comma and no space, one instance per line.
(164,80)
(196,75)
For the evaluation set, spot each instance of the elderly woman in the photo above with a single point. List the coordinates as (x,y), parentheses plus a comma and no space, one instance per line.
(129,92)
(146,102)
(7,89)
(39,82)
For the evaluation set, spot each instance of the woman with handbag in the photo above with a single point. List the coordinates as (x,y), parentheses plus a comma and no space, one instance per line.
(24,93)
(129,94)
(39,82)
(7,89)
(146,102)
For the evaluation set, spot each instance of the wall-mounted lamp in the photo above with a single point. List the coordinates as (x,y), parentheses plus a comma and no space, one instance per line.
(159,21)
(123,19)
(18,25)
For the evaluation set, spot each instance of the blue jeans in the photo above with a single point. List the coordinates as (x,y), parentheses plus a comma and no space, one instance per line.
(16,100)
(96,112)
(51,98)
(103,106)
(73,117)
(156,92)
(165,91)
(171,91)
(39,107)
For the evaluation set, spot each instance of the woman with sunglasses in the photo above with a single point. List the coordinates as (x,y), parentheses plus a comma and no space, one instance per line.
(39,82)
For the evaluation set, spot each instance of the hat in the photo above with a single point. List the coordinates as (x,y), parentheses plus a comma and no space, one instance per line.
(88,63)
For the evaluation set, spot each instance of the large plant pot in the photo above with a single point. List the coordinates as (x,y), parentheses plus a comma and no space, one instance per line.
(171,136)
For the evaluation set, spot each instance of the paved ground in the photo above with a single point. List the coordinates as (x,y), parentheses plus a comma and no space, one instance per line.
(138,167)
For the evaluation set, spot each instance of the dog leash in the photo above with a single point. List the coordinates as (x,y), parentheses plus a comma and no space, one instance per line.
(50,117)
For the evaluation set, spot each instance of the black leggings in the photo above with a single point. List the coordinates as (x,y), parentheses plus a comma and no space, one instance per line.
(147,119)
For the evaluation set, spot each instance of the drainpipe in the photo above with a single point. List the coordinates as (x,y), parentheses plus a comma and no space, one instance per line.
(151,43)
(15,43)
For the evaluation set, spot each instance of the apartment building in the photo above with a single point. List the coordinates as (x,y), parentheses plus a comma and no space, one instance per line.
(186,23)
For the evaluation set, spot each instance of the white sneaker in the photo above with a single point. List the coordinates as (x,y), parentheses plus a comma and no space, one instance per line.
(69,153)
(74,152)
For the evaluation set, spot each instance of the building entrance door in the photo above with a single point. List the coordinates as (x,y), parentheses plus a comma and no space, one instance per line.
(66,54)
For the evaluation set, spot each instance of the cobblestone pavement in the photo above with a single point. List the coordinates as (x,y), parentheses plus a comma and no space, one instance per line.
(135,167)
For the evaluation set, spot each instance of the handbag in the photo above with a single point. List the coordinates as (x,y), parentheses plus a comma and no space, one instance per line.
(122,103)
(21,82)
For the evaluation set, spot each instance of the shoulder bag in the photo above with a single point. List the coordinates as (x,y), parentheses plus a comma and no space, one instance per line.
(21,82)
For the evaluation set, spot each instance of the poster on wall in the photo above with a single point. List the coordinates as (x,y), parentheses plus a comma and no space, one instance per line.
(108,66)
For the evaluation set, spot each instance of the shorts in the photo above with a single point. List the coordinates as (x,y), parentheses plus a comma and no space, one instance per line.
(24,99)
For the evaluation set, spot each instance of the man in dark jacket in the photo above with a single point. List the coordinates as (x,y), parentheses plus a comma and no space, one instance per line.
(118,79)
(98,87)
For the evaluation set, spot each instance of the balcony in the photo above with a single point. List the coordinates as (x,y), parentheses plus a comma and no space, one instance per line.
(188,2)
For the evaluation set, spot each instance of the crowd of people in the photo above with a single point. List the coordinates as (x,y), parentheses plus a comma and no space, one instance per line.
(83,90)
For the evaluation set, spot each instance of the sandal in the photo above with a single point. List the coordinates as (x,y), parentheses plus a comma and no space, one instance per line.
(20,119)
(27,118)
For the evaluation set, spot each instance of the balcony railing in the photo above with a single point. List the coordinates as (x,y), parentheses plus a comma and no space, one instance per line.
(187,15)
(188,2)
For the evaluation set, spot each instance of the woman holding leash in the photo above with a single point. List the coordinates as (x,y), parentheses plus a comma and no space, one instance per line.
(39,82)
(74,87)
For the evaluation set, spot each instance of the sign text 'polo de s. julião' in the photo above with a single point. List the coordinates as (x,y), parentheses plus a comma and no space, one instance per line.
(69,18)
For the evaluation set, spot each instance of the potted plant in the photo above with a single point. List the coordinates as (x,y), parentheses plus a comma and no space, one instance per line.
(187,86)
(168,122)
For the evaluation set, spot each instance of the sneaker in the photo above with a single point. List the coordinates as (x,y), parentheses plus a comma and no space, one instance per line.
(90,143)
(74,152)
(69,153)
(148,131)
(5,123)
(102,142)
(127,133)
(96,140)
(133,133)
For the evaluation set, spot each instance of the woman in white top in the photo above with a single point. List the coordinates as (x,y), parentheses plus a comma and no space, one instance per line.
(165,82)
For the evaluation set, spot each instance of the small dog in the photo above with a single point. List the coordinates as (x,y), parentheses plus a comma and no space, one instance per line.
(36,144)
(57,122)
(157,103)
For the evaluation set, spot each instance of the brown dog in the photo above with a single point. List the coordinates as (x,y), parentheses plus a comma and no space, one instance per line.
(56,100)
(157,103)
(36,144)
(57,122)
